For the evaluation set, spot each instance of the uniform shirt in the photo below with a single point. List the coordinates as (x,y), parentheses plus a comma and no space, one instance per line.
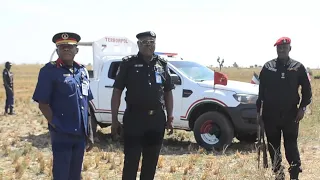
(68,94)
(144,88)
(7,78)
(279,84)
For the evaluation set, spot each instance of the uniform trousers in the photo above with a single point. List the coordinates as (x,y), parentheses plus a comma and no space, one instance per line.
(275,122)
(68,151)
(143,133)
(9,100)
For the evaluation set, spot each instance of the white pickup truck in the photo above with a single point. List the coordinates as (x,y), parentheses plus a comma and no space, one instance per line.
(215,113)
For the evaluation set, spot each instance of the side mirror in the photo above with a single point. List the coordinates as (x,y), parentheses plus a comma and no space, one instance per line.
(175,79)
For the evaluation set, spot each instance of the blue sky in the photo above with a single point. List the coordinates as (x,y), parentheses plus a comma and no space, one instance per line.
(238,31)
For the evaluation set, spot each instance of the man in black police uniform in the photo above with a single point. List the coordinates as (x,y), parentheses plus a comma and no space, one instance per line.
(63,93)
(8,85)
(146,77)
(280,79)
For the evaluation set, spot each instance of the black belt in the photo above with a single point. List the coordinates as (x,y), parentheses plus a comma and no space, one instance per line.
(139,108)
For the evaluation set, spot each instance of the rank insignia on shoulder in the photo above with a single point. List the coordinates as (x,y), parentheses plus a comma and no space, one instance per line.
(162,59)
(53,62)
(66,75)
(128,57)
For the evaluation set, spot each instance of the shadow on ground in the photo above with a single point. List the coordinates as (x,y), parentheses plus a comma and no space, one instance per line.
(170,146)
(40,141)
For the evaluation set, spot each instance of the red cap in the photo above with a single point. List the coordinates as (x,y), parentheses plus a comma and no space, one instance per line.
(283,40)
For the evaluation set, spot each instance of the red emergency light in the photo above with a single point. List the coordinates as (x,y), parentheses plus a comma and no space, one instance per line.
(166,54)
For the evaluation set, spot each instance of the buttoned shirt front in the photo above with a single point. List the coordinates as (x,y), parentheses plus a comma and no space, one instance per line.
(145,82)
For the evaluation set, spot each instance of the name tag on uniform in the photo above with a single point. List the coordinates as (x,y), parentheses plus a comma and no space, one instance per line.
(138,65)
(85,88)
(158,78)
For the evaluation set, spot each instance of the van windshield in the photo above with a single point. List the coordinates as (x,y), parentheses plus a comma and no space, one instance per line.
(194,71)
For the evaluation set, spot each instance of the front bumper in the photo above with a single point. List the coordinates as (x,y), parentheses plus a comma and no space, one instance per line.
(244,118)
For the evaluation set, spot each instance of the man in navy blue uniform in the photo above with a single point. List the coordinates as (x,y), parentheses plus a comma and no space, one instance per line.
(8,85)
(63,94)
(283,108)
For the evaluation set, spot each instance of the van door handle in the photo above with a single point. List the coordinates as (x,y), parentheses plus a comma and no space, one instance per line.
(107,86)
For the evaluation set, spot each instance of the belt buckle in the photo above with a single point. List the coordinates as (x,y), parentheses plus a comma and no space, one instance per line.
(151,112)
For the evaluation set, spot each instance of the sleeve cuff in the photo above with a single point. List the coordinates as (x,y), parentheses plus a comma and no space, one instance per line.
(118,87)
(42,100)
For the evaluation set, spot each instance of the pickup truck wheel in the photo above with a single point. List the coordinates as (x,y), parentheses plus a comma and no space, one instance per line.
(213,130)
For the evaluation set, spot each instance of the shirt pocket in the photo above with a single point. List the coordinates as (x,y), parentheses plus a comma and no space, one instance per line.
(137,75)
(66,86)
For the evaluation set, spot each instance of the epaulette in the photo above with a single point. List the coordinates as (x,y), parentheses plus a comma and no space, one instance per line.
(163,60)
(128,58)
(51,64)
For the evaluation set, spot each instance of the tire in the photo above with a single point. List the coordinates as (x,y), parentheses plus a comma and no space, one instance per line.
(247,138)
(223,133)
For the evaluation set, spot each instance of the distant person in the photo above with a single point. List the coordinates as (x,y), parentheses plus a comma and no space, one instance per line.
(8,85)
(280,79)
(63,94)
(149,94)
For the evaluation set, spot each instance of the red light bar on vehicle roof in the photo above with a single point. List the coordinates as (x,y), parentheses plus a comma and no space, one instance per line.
(166,54)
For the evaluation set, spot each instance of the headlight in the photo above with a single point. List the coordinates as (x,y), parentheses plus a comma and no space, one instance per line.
(246,98)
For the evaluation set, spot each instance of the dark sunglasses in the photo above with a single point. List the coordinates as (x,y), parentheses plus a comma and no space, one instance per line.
(147,42)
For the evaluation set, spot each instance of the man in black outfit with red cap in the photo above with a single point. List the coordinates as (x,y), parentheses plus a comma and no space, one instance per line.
(280,79)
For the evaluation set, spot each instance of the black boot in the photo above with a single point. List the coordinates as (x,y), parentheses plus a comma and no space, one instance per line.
(294,171)
(11,111)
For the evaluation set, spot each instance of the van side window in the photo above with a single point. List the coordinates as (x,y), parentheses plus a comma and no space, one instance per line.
(171,72)
(113,69)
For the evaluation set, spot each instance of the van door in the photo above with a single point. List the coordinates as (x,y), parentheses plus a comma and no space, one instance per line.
(105,94)
(177,101)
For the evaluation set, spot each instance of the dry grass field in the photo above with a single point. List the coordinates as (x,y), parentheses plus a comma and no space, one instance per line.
(26,154)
